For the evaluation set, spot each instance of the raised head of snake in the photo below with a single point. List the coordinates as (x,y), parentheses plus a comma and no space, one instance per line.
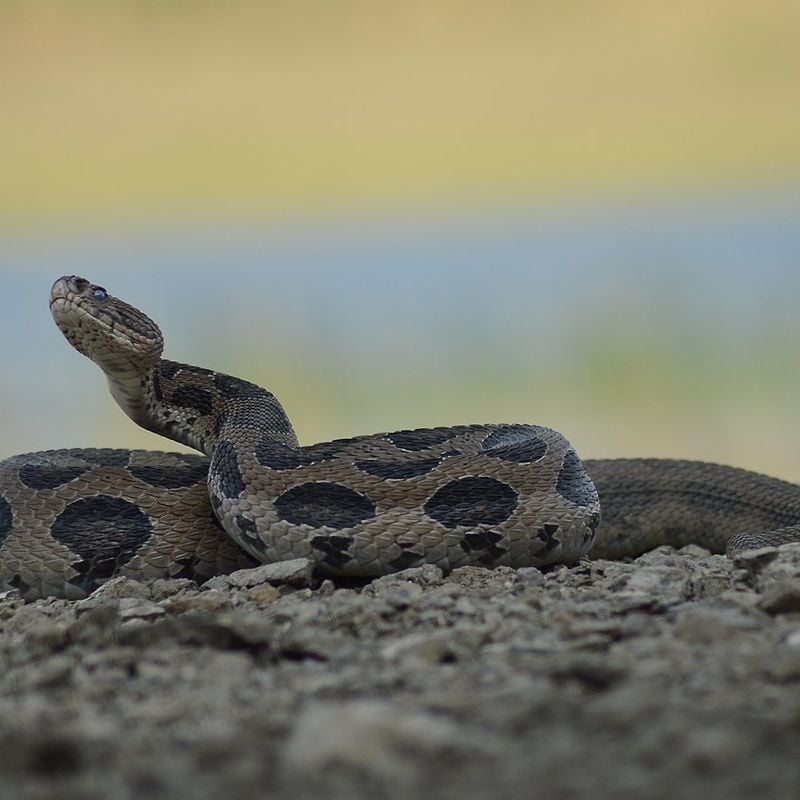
(480,494)
(187,404)
(125,343)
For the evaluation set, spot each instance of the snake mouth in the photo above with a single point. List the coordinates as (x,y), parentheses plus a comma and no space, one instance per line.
(57,303)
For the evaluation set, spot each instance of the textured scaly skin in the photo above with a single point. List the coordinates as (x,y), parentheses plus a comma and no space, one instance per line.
(513,495)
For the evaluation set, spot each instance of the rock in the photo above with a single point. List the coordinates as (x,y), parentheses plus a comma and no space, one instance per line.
(792,639)
(668,583)
(97,624)
(119,587)
(755,560)
(531,576)
(264,594)
(784,599)
(399,595)
(771,568)
(295,572)
(162,588)
(134,608)
(418,649)
(318,645)
(208,601)
(373,738)
(217,583)
(706,625)
(595,672)
(426,575)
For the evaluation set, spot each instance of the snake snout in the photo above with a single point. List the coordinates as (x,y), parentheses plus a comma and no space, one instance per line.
(61,288)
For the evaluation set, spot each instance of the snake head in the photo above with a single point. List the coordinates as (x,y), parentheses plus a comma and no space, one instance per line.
(113,334)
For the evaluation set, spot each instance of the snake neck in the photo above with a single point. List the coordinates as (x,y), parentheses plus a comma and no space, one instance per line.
(196,406)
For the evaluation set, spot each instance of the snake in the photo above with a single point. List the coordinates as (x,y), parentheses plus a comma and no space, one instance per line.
(515,495)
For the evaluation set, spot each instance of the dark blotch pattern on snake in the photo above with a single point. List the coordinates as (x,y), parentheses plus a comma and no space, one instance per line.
(514,495)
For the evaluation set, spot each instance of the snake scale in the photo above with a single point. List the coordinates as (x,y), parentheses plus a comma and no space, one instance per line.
(514,495)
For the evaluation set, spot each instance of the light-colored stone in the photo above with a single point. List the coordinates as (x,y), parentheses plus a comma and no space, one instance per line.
(295,572)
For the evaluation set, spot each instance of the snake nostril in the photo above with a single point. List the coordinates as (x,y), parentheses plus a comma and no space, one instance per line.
(81,284)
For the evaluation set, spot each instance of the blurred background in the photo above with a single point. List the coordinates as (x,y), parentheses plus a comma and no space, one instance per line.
(394,215)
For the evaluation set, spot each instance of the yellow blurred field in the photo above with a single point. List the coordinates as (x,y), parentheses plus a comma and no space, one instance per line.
(135,109)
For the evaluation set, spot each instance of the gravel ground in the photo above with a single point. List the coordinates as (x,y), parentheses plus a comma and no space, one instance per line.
(674,675)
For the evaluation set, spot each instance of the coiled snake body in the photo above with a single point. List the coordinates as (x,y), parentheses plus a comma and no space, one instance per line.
(515,495)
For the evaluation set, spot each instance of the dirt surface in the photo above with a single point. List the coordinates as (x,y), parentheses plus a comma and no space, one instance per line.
(675,675)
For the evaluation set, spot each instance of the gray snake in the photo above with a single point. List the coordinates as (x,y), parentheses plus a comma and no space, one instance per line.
(514,494)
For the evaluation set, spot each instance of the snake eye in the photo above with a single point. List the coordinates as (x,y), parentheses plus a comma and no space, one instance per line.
(99,294)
